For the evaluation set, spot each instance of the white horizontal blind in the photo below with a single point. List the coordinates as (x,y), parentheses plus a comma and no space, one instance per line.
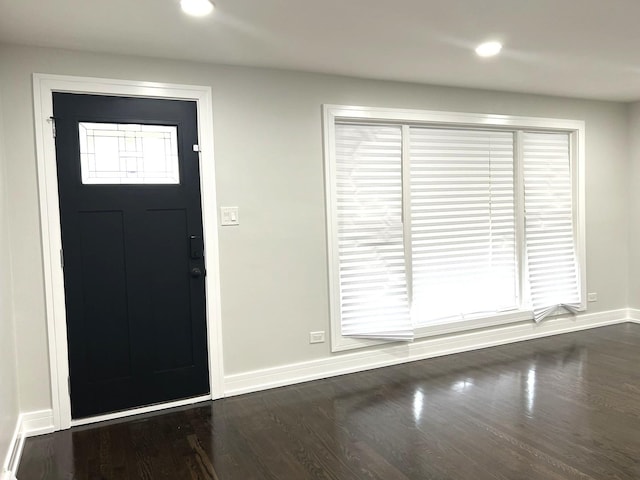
(549,228)
(373,286)
(462,223)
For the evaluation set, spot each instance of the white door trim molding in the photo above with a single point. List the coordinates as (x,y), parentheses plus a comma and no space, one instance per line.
(44,86)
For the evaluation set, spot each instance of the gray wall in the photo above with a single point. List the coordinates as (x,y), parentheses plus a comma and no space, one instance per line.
(8,368)
(268,147)
(634,205)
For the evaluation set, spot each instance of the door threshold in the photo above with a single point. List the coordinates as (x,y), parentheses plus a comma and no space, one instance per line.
(137,411)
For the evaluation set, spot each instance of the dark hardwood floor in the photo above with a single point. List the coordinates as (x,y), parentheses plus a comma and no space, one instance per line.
(564,407)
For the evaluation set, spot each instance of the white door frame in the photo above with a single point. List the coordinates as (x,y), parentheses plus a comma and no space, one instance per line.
(43,88)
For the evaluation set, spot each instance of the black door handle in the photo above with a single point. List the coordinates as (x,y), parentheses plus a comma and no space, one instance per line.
(196,247)
(196,272)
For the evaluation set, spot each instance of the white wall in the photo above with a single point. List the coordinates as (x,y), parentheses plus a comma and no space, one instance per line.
(8,368)
(268,147)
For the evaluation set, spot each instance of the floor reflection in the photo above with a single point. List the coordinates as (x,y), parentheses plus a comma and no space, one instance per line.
(531,390)
(558,408)
(418,404)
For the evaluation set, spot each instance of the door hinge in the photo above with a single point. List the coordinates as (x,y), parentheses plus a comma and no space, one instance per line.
(196,148)
(69,385)
(61,258)
(52,121)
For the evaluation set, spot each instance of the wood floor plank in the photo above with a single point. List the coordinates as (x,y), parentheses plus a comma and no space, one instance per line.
(559,408)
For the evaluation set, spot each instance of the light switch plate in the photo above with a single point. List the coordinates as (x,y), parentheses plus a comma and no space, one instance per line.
(229,216)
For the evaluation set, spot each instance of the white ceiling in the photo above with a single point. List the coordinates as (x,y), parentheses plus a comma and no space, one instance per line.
(578,48)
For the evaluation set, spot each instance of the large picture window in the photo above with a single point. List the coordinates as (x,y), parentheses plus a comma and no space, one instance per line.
(442,222)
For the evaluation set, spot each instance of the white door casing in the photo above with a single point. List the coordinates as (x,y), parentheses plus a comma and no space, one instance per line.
(43,88)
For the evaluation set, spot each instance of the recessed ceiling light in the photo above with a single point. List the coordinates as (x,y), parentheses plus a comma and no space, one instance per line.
(197,8)
(488,49)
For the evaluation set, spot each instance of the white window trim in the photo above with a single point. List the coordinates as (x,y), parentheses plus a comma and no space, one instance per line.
(342,113)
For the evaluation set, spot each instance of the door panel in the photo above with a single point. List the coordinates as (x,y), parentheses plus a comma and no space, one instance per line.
(129,187)
(105,295)
(170,283)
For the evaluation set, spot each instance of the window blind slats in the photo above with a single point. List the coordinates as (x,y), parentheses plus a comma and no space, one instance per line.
(373,286)
(550,247)
(461,204)
(462,223)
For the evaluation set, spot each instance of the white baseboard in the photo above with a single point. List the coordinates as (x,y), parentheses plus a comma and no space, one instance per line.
(37,423)
(634,315)
(41,422)
(27,425)
(340,364)
(7,476)
(12,460)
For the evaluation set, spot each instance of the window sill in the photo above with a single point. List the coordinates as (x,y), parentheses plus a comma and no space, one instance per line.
(467,324)
(340,343)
